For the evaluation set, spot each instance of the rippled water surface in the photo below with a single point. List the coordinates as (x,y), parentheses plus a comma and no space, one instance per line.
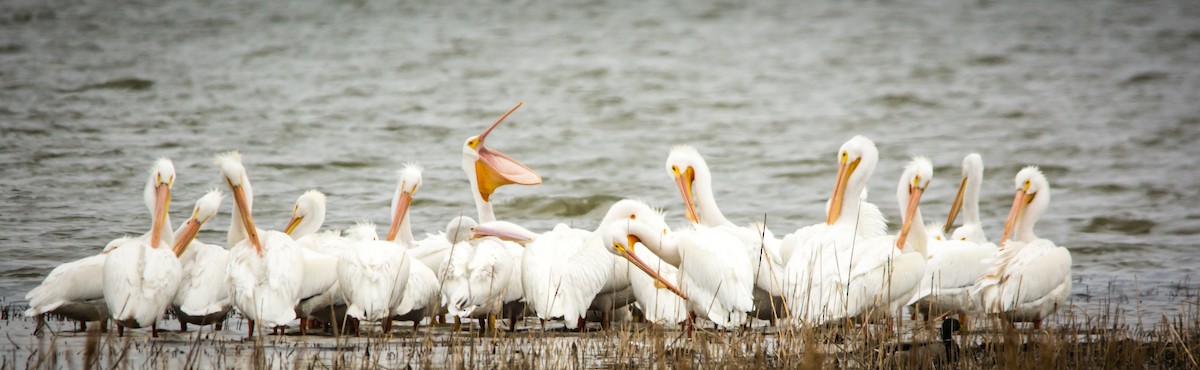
(337,95)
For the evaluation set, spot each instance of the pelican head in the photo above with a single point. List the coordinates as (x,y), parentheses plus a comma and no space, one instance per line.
(630,209)
(684,165)
(1033,197)
(623,236)
(913,183)
(410,180)
(158,196)
(308,215)
(459,229)
(206,207)
(856,162)
(492,169)
(361,231)
(234,174)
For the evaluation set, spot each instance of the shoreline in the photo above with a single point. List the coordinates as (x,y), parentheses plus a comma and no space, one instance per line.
(1071,338)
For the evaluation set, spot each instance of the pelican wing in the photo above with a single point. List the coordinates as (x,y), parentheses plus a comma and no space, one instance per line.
(1025,272)
(79,280)
(204,289)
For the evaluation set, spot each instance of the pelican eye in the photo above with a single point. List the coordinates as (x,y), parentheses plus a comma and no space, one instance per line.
(916,181)
(633,216)
(845,157)
(1026,186)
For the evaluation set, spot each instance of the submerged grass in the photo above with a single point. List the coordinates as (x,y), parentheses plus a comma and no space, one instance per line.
(1073,338)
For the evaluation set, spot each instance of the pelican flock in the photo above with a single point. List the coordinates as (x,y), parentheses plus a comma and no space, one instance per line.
(842,267)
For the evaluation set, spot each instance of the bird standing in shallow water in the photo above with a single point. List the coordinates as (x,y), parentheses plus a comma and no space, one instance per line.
(266,268)
(142,275)
(203,295)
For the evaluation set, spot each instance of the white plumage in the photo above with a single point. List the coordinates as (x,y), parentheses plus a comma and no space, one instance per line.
(716,275)
(265,272)
(203,295)
(956,261)
(74,289)
(372,274)
(141,276)
(1030,276)
(694,179)
(818,258)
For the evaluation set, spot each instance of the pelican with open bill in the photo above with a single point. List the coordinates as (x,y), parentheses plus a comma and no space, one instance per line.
(494,169)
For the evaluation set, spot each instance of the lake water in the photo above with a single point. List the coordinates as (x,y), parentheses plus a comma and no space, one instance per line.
(338,95)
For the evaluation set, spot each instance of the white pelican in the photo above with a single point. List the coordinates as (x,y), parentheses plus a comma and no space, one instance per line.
(563,270)
(967,201)
(142,275)
(691,174)
(1031,277)
(716,279)
(817,256)
(890,268)
(475,276)
(956,262)
(320,291)
(372,276)
(75,290)
(658,305)
(266,271)
(203,295)
(478,279)
(419,296)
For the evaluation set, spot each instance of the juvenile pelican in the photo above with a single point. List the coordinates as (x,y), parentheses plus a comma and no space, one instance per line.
(266,271)
(142,275)
(820,256)
(203,296)
(691,174)
(1031,277)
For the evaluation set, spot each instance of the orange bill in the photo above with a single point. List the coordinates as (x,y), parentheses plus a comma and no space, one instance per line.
(684,180)
(239,200)
(914,199)
(401,212)
(955,207)
(480,231)
(162,201)
(495,169)
(1018,206)
(292,223)
(186,235)
(632,257)
(839,189)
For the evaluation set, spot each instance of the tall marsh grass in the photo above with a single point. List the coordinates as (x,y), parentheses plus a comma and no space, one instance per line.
(1073,338)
